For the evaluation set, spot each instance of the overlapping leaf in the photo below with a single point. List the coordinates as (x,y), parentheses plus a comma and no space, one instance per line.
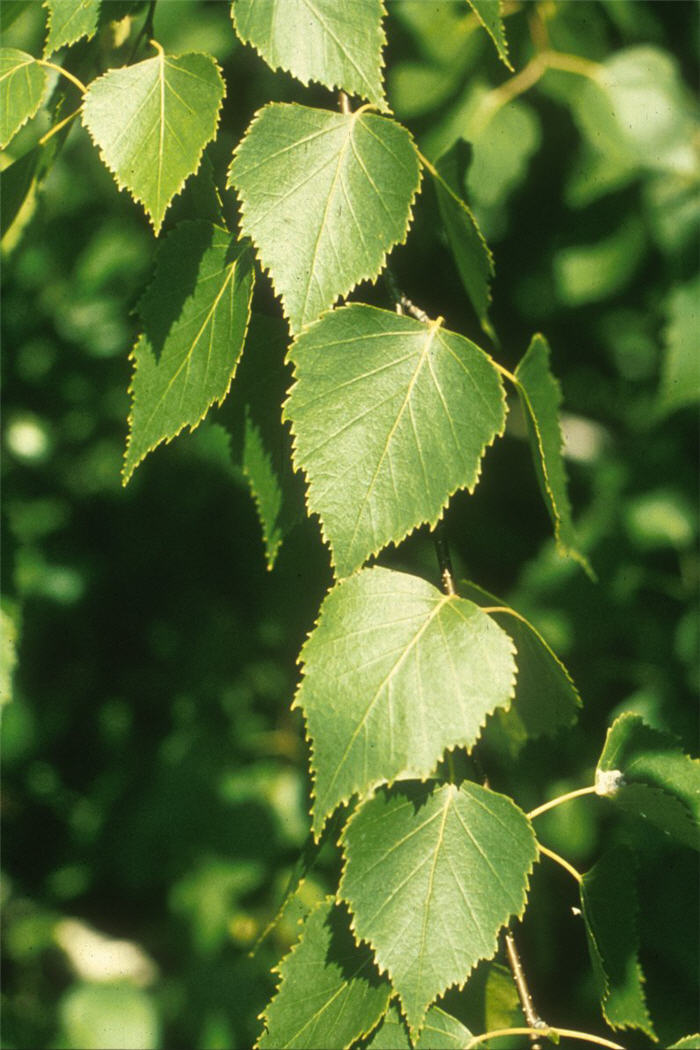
(660,785)
(395,673)
(609,905)
(151,122)
(390,417)
(441,1031)
(22,85)
(471,253)
(324,196)
(339,45)
(431,875)
(546,699)
(330,992)
(490,15)
(195,314)
(68,21)
(541,397)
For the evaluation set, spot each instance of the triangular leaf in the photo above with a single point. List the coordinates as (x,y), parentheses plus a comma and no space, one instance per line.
(394,673)
(339,185)
(489,13)
(337,44)
(431,876)
(541,396)
(390,416)
(658,783)
(261,442)
(680,380)
(471,253)
(609,905)
(151,122)
(546,699)
(442,1031)
(22,85)
(330,992)
(68,21)
(195,314)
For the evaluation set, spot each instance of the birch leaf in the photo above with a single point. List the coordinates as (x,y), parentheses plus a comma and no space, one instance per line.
(489,13)
(22,85)
(151,122)
(195,315)
(68,21)
(442,1031)
(340,186)
(394,673)
(390,416)
(431,876)
(339,45)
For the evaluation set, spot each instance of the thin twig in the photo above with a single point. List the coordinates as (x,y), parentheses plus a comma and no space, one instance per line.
(547,1031)
(561,798)
(403,303)
(444,560)
(561,862)
(344,102)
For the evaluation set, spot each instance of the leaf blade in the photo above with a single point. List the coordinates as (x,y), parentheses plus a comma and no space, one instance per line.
(490,15)
(442,1031)
(68,21)
(22,86)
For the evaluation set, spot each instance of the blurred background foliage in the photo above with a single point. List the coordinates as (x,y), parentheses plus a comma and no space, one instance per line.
(155,797)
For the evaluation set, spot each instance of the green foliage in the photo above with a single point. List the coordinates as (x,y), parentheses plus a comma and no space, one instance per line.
(489,13)
(68,21)
(22,86)
(340,185)
(336,45)
(680,381)
(440,1032)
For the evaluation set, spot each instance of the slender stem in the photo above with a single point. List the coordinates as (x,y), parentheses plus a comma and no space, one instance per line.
(560,799)
(451,766)
(504,372)
(444,560)
(64,72)
(57,127)
(344,102)
(402,302)
(533,1019)
(547,1031)
(561,862)
(503,609)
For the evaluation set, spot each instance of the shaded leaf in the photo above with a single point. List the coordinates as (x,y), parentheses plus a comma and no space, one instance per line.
(261,442)
(541,396)
(442,1031)
(151,122)
(394,673)
(546,699)
(490,1001)
(471,253)
(340,186)
(680,378)
(339,45)
(489,13)
(330,992)
(431,876)
(390,416)
(657,781)
(609,905)
(68,21)
(195,314)
(9,617)
(22,86)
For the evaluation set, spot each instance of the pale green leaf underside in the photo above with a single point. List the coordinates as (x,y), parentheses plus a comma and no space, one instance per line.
(431,876)
(609,905)
(661,783)
(68,21)
(330,992)
(489,14)
(546,699)
(324,196)
(680,378)
(390,417)
(151,122)
(337,44)
(541,397)
(22,84)
(195,314)
(442,1031)
(394,673)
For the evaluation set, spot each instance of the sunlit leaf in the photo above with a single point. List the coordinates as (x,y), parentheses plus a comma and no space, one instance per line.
(490,14)
(431,876)
(394,673)
(390,416)
(68,21)
(22,85)
(660,784)
(339,185)
(541,397)
(195,314)
(680,380)
(442,1031)
(336,44)
(330,991)
(151,122)
(609,905)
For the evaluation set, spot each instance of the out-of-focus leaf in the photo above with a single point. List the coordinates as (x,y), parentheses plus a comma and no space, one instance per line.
(8,652)
(22,86)
(105,1016)
(587,273)
(68,21)
(680,379)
